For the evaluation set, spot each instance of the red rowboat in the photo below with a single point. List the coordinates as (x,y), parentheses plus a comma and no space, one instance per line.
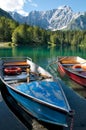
(74,67)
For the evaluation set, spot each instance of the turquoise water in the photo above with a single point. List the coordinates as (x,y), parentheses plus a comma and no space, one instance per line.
(45,55)
(39,53)
(57,50)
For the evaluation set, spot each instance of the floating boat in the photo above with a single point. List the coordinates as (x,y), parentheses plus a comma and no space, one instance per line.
(41,96)
(74,67)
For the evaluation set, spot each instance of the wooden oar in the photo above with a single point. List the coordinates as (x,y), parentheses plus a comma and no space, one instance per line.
(62,58)
(44,76)
(57,61)
(53,63)
(41,75)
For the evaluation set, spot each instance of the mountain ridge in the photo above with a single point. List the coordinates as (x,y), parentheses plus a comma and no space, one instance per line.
(5,14)
(62,18)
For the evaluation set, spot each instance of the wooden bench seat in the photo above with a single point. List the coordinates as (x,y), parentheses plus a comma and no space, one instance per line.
(24,63)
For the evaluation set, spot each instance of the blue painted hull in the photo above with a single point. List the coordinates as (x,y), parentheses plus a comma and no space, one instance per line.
(40,110)
(42,97)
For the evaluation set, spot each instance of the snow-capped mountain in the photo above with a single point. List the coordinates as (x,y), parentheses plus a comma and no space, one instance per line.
(78,23)
(56,19)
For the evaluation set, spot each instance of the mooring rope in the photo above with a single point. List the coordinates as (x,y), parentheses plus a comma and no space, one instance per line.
(72,120)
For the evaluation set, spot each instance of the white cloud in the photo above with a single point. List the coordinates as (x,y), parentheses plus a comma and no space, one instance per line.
(22,12)
(11,4)
(34,4)
(16,5)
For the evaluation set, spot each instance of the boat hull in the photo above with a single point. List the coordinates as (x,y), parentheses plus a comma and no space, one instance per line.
(42,96)
(77,78)
(40,111)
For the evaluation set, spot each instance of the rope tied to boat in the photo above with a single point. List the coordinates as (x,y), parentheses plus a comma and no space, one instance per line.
(72,119)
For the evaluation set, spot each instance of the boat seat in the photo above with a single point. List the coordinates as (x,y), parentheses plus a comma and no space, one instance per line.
(24,63)
(67,64)
(12,81)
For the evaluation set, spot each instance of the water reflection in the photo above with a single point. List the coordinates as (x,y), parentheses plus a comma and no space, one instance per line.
(35,52)
(79,89)
(30,122)
(0,97)
(16,109)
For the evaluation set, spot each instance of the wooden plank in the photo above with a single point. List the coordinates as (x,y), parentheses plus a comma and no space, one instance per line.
(16,63)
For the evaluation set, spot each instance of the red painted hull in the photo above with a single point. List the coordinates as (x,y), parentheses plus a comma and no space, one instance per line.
(76,77)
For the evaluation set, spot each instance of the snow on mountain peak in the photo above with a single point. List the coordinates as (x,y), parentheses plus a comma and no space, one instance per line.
(55,19)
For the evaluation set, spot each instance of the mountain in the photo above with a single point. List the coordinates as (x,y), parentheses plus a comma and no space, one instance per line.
(17,17)
(56,19)
(78,23)
(5,14)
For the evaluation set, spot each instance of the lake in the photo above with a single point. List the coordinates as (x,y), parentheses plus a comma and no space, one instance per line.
(43,56)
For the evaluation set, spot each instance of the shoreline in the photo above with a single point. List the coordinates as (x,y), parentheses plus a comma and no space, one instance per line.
(6,44)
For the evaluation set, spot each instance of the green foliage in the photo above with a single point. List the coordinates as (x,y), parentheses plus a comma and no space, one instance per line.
(7,26)
(68,38)
(19,35)
(28,35)
(4,14)
(22,34)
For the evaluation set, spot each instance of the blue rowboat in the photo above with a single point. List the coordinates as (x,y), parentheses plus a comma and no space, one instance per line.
(42,96)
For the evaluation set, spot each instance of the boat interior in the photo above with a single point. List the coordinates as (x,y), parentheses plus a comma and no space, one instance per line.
(74,64)
(71,60)
(15,71)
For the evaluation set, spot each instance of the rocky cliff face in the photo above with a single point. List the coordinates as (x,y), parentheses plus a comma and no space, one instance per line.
(56,19)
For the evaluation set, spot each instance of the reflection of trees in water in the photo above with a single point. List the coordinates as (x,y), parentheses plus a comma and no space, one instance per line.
(81,90)
(39,54)
(75,86)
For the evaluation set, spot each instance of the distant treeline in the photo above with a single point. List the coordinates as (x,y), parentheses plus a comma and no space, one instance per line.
(23,34)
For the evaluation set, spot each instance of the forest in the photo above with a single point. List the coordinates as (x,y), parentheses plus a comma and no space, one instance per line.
(23,34)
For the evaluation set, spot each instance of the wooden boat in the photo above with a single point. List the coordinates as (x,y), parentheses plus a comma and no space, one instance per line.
(74,67)
(42,96)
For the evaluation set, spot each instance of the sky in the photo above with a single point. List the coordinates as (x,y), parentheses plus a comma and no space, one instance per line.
(25,6)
